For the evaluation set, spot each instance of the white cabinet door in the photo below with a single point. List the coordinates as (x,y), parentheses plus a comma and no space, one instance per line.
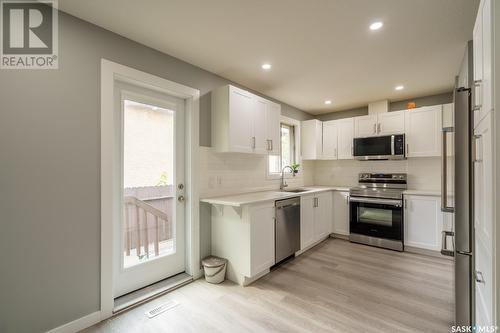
(345,129)
(423,131)
(330,134)
(340,213)
(482,44)
(261,237)
(365,126)
(391,123)
(273,128)
(307,203)
(259,138)
(241,120)
(483,220)
(323,215)
(423,222)
(311,139)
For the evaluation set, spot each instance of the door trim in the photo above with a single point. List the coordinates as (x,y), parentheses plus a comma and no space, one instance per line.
(112,72)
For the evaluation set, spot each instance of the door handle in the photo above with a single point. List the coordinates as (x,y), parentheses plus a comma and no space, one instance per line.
(444,243)
(181,198)
(444,172)
(479,277)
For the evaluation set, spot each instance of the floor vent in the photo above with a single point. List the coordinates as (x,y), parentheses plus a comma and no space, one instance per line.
(162,308)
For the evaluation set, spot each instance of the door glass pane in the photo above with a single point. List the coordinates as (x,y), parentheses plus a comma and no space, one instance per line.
(376,216)
(148,178)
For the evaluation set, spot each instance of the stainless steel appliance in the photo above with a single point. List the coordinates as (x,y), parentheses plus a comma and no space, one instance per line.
(376,214)
(457,190)
(387,147)
(287,228)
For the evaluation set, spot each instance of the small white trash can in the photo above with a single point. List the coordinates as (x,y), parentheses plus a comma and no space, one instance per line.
(215,269)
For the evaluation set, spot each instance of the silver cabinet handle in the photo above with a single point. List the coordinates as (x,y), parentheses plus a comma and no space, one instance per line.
(479,277)
(375,128)
(272,146)
(335,152)
(379,128)
(253,142)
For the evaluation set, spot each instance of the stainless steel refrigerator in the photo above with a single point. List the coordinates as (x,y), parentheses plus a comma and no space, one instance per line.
(457,190)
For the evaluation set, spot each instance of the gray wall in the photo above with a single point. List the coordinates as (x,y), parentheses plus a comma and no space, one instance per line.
(393,106)
(49,173)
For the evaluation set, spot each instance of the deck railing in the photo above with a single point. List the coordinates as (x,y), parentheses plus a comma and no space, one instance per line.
(137,231)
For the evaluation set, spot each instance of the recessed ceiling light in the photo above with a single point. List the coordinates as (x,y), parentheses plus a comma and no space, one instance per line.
(266,66)
(399,87)
(328,102)
(376,25)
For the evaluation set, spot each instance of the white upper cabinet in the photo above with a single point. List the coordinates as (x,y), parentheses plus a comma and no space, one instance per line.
(482,58)
(389,123)
(365,126)
(423,131)
(273,139)
(330,134)
(243,122)
(311,139)
(345,130)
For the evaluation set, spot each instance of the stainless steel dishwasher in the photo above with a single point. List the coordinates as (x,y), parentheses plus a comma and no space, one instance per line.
(287,228)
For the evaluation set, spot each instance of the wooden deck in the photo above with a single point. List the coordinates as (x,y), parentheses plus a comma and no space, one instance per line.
(335,287)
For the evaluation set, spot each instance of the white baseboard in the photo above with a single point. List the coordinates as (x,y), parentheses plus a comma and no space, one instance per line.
(78,324)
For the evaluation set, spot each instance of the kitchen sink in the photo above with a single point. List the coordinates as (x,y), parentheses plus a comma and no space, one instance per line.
(298,190)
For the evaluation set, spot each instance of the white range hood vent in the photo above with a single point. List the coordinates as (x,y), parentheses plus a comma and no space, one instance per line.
(378,107)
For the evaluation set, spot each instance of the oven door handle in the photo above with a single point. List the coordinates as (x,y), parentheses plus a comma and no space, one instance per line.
(397,203)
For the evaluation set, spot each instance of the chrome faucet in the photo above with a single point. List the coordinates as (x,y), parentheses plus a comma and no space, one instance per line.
(283,184)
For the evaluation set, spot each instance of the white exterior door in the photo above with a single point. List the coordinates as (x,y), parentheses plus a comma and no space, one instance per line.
(345,138)
(150,237)
(365,126)
(483,222)
(330,140)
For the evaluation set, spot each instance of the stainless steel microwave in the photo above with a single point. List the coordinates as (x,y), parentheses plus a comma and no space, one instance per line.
(387,147)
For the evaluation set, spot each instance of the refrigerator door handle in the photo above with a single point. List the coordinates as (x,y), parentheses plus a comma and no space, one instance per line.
(444,172)
(445,250)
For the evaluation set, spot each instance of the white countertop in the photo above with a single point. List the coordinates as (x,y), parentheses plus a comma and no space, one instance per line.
(422,192)
(238,200)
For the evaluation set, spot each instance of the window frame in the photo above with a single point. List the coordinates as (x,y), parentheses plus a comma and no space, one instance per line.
(296,129)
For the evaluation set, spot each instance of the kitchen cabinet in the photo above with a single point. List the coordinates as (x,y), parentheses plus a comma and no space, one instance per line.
(245,236)
(389,123)
(423,131)
(311,133)
(340,213)
(273,121)
(365,126)
(243,122)
(386,123)
(484,204)
(423,222)
(482,61)
(330,134)
(345,130)
(315,218)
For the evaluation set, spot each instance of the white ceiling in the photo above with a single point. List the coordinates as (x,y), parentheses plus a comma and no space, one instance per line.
(319,49)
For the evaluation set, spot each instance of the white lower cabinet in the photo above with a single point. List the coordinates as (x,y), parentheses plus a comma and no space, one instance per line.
(245,236)
(340,213)
(423,222)
(315,218)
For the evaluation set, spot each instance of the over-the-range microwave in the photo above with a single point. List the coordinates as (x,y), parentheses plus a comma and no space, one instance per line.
(387,147)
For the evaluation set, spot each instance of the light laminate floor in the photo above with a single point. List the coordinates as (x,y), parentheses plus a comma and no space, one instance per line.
(335,287)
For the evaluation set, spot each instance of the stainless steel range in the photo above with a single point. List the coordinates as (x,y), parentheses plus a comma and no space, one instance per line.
(376,214)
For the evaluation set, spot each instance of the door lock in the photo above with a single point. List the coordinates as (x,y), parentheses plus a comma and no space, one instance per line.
(180,186)
(181,198)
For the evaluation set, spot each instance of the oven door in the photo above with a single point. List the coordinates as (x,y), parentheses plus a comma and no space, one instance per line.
(381,218)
